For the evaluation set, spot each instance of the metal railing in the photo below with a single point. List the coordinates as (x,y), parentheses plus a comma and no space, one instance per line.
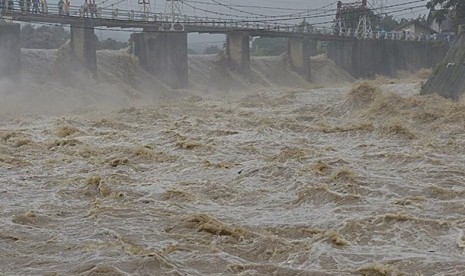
(165,22)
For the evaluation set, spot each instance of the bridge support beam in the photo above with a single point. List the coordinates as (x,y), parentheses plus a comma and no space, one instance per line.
(10,52)
(164,54)
(299,51)
(238,52)
(84,45)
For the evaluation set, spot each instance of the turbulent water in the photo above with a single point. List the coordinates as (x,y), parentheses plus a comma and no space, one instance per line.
(366,180)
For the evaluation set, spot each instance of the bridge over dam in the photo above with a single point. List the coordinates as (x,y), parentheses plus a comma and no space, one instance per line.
(162,47)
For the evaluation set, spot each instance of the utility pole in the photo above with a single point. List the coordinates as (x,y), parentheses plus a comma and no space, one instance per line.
(146,9)
(339,24)
(364,26)
(173,7)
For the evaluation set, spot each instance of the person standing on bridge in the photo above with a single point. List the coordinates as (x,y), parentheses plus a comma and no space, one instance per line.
(35,5)
(44,6)
(21,5)
(85,9)
(60,7)
(90,7)
(28,5)
(94,9)
(67,5)
(10,5)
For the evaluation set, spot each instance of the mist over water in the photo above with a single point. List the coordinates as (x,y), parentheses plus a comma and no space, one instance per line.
(110,177)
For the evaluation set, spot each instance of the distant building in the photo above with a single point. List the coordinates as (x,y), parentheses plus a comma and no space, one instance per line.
(416,28)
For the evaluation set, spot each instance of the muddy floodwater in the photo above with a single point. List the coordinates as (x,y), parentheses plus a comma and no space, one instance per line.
(328,181)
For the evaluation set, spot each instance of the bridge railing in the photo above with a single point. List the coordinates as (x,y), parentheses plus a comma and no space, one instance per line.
(404,35)
(25,7)
(408,36)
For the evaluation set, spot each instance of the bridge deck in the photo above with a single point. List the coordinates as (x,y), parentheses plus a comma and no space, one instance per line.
(157,26)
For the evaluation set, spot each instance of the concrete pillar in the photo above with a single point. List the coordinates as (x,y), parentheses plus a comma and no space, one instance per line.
(299,52)
(238,52)
(84,45)
(10,52)
(163,54)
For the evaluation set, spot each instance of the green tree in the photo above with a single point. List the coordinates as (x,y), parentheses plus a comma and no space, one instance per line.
(43,37)
(350,16)
(385,23)
(112,44)
(269,46)
(379,22)
(454,8)
(210,50)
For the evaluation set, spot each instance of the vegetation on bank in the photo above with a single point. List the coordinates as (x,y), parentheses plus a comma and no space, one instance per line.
(443,9)
(43,37)
(53,37)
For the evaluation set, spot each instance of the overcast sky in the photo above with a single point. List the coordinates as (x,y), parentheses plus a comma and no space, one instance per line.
(159,5)
(270,7)
(197,41)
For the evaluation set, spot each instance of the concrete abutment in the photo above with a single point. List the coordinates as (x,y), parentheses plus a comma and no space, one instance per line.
(84,45)
(164,54)
(10,52)
(299,51)
(238,52)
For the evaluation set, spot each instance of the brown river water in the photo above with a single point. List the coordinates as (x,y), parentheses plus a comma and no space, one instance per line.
(364,179)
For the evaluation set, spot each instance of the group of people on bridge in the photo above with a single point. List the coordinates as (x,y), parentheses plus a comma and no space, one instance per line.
(34,6)
(89,8)
(399,35)
(6,5)
(63,7)
(407,35)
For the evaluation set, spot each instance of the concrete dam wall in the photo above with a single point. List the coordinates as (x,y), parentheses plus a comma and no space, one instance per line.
(366,58)
(10,51)
(448,77)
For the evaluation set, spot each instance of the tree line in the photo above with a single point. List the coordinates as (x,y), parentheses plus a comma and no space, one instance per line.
(53,37)
(443,9)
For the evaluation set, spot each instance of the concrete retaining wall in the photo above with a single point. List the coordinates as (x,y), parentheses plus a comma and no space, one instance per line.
(238,52)
(10,52)
(84,45)
(366,58)
(299,52)
(448,77)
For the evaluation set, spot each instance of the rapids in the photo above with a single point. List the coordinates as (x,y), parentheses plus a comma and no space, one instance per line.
(282,178)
